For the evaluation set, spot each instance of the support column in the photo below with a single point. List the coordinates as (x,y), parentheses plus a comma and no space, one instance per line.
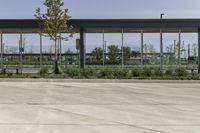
(122,49)
(174,51)
(82,48)
(60,50)
(188,51)
(142,44)
(198,50)
(103,46)
(20,45)
(161,49)
(1,51)
(179,48)
(40,50)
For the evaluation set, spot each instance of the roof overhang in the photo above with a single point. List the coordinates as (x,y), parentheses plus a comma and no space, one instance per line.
(108,25)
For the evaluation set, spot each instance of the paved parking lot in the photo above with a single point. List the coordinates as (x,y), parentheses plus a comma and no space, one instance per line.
(73,107)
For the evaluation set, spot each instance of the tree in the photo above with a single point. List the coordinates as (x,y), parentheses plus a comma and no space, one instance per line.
(13,50)
(68,51)
(146,50)
(127,53)
(69,59)
(149,48)
(113,54)
(97,54)
(31,49)
(150,51)
(24,42)
(171,57)
(194,49)
(53,23)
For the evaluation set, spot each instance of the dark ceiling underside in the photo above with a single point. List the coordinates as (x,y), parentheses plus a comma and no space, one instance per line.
(108,25)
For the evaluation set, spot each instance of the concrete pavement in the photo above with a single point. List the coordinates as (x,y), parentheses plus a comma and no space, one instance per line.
(75,107)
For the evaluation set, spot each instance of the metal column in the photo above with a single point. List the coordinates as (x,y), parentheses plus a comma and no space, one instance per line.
(179,47)
(60,50)
(198,50)
(188,51)
(40,50)
(161,49)
(103,43)
(174,51)
(20,50)
(1,51)
(142,44)
(82,48)
(122,49)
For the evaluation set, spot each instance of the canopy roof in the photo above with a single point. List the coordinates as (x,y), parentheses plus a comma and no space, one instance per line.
(109,25)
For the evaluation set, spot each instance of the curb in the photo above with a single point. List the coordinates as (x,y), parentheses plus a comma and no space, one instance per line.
(100,80)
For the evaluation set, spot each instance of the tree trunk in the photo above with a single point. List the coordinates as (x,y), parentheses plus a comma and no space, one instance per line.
(56,50)
(56,69)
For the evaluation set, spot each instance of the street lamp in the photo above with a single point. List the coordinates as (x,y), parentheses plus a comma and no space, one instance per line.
(161,15)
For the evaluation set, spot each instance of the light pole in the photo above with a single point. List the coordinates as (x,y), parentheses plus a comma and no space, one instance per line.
(161,15)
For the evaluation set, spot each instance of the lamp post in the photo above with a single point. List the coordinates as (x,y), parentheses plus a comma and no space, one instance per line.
(161,15)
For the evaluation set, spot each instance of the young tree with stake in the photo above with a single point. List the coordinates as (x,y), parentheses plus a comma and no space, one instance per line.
(53,23)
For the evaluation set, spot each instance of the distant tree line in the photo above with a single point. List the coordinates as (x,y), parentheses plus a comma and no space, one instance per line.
(113,56)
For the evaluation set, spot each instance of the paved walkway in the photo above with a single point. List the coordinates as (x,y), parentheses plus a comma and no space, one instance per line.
(73,107)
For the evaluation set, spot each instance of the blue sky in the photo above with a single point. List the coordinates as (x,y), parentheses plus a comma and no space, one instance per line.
(20,9)
(107,8)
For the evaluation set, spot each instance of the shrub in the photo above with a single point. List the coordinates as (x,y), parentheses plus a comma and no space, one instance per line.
(169,72)
(158,72)
(135,72)
(195,76)
(107,72)
(73,71)
(115,73)
(43,71)
(121,73)
(147,72)
(180,72)
(88,72)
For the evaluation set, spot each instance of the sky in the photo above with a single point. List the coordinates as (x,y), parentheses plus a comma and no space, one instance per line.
(107,8)
(102,9)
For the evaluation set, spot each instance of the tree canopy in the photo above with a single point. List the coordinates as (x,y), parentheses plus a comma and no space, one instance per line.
(54,20)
